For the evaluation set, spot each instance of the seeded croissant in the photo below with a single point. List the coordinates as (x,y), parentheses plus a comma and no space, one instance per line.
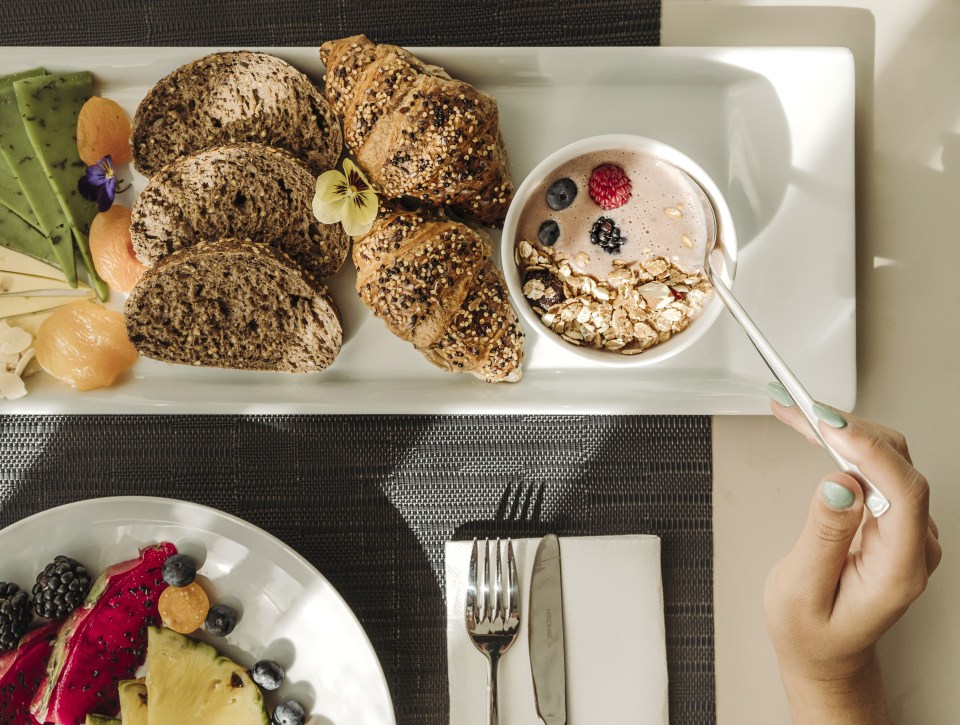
(416,131)
(434,283)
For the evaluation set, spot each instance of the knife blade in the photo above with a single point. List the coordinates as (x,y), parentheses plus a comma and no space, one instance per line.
(547,659)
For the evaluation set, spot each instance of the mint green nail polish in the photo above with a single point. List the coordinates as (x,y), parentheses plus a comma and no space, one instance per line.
(829,416)
(780,394)
(837,497)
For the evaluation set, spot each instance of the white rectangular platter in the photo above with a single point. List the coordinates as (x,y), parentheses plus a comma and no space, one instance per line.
(772,126)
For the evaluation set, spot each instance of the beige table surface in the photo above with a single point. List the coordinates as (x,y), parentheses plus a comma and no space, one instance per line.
(908,317)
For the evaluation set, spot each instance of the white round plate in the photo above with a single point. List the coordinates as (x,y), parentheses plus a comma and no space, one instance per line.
(289,612)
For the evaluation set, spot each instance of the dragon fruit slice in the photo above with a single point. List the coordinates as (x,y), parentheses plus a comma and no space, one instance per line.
(103,641)
(21,671)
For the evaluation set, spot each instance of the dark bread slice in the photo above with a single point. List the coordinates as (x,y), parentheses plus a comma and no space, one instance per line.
(241,191)
(230,97)
(233,304)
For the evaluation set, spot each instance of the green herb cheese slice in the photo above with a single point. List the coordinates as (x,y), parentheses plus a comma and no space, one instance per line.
(11,195)
(49,106)
(17,151)
(16,234)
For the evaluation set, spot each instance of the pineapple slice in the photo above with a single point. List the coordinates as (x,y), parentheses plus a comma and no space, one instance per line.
(133,702)
(188,681)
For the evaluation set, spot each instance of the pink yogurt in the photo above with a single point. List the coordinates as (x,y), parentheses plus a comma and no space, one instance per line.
(664,216)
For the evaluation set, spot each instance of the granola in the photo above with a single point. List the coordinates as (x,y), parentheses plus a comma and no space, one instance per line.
(638,305)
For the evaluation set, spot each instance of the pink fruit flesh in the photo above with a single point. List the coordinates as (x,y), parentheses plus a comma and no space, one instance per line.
(104,641)
(21,671)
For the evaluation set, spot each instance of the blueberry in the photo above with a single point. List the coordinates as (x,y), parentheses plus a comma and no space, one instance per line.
(179,570)
(221,620)
(268,674)
(288,713)
(549,233)
(561,194)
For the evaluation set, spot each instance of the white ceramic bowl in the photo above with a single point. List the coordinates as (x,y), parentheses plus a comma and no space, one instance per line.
(725,255)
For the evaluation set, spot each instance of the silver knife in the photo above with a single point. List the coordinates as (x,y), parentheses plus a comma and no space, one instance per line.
(547,663)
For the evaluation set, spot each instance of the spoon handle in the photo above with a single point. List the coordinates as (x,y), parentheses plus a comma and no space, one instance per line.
(875,501)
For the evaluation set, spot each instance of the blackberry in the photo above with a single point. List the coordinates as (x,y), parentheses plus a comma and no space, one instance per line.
(561,194)
(606,235)
(15,615)
(61,587)
(549,233)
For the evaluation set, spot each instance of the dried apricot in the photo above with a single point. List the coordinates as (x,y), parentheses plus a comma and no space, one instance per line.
(84,344)
(183,609)
(103,129)
(112,249)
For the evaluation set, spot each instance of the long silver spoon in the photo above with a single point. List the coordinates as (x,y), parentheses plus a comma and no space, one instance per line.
(875,500)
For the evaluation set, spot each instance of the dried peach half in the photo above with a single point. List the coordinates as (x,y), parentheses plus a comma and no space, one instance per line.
(85,344)
(103,129)
(112,249)
(183,609)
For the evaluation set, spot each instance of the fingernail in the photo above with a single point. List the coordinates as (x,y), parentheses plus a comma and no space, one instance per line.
(829,416)
(837,497)
(780,394)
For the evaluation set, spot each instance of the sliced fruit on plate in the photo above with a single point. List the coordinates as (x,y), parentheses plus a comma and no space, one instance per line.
(103,642)
(21,671)
(17,151)
(49,107)
(85,345)
(101,720)
(189,681)
(133,702)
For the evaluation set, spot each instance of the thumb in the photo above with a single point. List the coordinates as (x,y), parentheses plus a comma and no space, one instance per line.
(821,551)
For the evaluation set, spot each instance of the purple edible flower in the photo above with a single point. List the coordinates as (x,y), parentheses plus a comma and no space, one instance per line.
(99,184)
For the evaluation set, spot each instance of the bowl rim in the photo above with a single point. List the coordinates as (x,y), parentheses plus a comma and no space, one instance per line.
(726,245)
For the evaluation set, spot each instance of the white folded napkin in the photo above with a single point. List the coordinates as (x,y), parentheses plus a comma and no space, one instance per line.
(613,631)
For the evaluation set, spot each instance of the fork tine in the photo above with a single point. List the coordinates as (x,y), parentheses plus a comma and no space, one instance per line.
(485,584)
(512,582)
(498,587)
(471,604)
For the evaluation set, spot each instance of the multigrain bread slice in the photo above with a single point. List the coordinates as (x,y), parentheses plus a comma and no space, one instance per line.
(233,304)
(241,191)
(230,97)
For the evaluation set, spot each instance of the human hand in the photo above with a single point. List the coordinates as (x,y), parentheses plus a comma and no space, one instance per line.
(828,602)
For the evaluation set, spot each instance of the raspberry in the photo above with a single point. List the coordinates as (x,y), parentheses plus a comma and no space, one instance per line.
(609,186)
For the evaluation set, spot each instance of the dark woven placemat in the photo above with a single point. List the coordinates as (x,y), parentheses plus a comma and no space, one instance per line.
(370,502)
(298,22)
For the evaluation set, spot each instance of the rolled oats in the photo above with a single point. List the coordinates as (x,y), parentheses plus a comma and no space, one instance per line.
(637,306)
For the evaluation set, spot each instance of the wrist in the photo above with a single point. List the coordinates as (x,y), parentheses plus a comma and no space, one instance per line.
(856,697)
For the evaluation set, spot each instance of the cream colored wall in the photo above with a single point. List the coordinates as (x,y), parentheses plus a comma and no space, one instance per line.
(908,257)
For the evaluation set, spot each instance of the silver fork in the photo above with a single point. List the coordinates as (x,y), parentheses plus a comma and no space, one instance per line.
(494,620)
